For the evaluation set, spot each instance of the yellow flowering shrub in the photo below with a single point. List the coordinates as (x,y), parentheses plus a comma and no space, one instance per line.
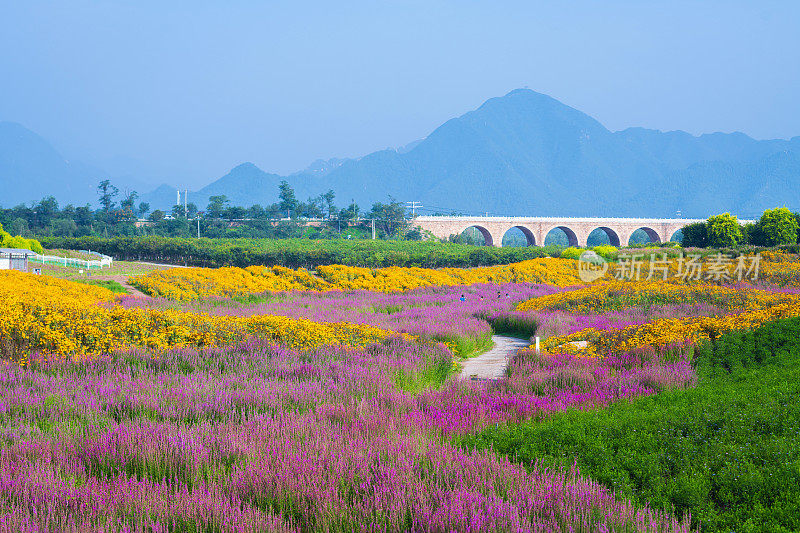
(617,295)
(665,331)
(780,268)
(18,286)
(196,283)
(749,308)
(55,316)
(395,279)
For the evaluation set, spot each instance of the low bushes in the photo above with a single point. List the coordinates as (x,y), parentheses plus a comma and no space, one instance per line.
(571,253)
(296,253)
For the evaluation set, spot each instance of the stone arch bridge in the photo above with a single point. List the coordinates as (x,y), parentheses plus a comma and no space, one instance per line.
(535,229)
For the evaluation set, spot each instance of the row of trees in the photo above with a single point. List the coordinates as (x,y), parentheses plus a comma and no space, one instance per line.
(286,218)
(776,227)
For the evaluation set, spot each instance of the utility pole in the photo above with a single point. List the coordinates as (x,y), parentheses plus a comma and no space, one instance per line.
(373,229)
(413,206)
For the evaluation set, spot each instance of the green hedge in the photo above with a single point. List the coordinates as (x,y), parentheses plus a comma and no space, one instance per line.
(728,451)
(296,253)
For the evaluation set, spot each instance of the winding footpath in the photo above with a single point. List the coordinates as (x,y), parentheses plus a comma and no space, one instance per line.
(492,364)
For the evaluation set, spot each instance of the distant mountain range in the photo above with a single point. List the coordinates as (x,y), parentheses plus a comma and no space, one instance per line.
(30,169)
(521,154)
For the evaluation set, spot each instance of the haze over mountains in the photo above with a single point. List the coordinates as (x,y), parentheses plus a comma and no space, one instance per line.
(523,154)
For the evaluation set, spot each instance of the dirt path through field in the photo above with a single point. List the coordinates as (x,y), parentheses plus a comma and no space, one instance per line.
(492,364)
(123,280)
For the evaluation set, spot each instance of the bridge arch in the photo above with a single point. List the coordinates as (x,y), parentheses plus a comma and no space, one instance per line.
(677,236)
(652,234)
(572,239)
(488,240)
(529,236)
(613,237)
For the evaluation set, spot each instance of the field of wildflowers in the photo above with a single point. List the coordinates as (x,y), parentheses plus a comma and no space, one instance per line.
(271,399)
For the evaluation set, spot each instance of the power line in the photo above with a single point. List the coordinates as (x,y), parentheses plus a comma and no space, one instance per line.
(414,206)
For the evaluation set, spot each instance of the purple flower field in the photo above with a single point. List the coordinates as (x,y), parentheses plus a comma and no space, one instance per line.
(257,437)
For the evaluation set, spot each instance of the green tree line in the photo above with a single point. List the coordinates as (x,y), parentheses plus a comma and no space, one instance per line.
(120,215)
(776,227)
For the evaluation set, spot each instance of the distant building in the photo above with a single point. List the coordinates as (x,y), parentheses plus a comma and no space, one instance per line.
(15,259)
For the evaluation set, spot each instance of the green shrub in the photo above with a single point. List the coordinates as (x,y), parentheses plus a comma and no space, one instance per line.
(724,230)
(295,253)
(606,251)
(571,253)
(34,246)
(779,226)
(8,241)
(695,235)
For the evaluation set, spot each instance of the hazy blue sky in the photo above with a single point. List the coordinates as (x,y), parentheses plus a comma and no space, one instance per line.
(194,88)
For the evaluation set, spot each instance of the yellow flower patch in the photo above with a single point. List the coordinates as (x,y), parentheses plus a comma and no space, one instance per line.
(60,317)
(195,283)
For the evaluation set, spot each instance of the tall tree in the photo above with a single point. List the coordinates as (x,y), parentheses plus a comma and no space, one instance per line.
(83,215)
(107,194)
(351,212)
(288,203)
(46,210)
(178,211)
(128,202)
(390,218)
(216,206)
(257,212)
(329,197)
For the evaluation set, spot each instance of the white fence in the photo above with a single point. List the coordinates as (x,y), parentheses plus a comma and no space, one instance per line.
(103,260)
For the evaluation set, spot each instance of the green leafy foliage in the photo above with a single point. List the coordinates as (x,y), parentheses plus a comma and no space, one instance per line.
(607,252)
(727,451)
(571,253)
(295,253)
(723,230)
(779,226)
(695,235)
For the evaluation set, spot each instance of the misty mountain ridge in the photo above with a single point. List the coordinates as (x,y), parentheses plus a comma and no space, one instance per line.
(31,169)
(527,154)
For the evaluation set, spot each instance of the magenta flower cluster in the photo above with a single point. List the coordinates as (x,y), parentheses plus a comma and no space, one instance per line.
(257,437)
